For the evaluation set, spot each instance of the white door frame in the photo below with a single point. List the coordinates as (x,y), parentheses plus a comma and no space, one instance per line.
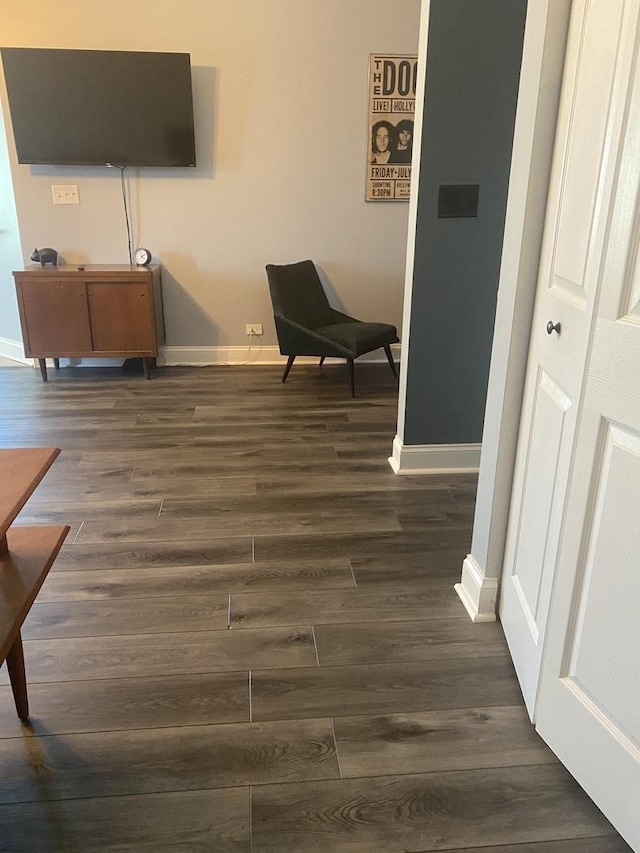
(540,81)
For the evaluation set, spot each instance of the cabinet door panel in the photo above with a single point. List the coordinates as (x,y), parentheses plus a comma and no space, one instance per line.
(122,317)
(54,316)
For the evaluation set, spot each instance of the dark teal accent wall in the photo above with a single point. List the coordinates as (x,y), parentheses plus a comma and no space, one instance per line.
(474,54)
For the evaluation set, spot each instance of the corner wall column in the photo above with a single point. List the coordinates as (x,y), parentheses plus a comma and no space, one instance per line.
(540,81)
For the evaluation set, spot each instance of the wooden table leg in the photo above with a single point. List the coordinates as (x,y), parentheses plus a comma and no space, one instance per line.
(15,665)
(43,368)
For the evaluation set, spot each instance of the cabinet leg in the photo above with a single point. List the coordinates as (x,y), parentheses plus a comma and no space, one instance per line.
(43,368)
(146,365)
(56,363)
(17,677)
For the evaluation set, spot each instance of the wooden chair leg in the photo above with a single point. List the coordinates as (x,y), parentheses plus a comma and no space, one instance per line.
(290,361)
(321,360)
(146,366)
(352,378)
(17,677)
(43,368)
(56,363)
(387,350)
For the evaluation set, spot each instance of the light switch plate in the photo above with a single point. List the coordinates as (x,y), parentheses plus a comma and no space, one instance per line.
(67,194)
(458,201)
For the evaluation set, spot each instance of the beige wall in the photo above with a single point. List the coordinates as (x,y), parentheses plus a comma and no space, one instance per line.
(280,96)
(10,256)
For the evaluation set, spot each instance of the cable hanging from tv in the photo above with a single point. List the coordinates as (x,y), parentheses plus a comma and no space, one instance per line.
(126,208)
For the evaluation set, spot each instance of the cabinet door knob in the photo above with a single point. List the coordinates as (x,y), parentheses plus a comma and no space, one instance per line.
(551,327)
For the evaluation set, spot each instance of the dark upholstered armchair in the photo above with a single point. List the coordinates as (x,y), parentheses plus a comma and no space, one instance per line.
(307,325)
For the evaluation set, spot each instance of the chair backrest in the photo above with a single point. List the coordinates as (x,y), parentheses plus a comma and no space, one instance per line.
(297,294)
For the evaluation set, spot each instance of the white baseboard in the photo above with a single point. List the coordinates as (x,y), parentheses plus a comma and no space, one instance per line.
(206,356)
(13,350)
(434,458)
(199,356)
(477,592)
(254,354)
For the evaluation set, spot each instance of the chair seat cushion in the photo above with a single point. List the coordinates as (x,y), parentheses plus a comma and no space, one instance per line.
(360,337)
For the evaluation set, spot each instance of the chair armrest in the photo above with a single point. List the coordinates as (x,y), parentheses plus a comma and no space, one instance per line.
(339,317)
(295,339)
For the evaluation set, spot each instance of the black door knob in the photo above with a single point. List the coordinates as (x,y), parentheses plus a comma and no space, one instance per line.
(553,328)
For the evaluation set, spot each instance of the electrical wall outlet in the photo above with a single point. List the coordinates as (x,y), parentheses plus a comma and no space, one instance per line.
(254,328)
(65,194)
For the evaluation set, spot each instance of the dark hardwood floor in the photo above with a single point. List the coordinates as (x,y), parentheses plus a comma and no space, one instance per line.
(250,641)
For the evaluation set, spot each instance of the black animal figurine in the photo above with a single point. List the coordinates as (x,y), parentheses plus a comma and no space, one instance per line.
(45,256)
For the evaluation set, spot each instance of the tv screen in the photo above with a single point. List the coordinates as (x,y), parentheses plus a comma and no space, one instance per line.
(98,107)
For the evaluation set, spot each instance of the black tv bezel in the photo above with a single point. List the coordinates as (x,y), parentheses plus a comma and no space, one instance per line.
(118,161)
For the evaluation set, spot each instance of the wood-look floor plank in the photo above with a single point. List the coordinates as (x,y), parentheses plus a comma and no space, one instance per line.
(261,467)
(380,421)
(257,431)
(226,418)
(187,461)
(268,420)
(74,526)
(601,844)
(123,616)
(339,691)
(358,545)
(84,487)
(121,704)
(341,482)
(143,761)
(357,521)
(255,403)
(253,610)
(306,575)
(378,441)
(68,473)
(429,812)
(426,639)
(438,740)
(125,555)
(309,404)
(77,420)
(117,511)
(433,506)
(141,655)
(408,568)
(360,454)
(413,518)
(194,821)
(199,435)
(45,404)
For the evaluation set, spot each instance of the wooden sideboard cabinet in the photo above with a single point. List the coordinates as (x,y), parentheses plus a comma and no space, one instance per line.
(98,311)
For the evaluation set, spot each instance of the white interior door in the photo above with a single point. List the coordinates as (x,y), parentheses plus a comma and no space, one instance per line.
(589,698)
(591,113)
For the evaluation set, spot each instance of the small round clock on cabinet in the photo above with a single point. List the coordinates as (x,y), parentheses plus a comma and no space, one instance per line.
(142,257)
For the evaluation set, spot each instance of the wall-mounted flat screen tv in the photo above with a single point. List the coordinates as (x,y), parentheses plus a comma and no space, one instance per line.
(98,107)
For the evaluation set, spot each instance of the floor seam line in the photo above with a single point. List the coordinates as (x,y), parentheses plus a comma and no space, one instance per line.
(335,743)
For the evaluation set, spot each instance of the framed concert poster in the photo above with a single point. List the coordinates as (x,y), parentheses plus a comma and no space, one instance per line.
(392,101)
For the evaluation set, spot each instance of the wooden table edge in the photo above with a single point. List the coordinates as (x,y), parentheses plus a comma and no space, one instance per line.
(48,553)
(31,486)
